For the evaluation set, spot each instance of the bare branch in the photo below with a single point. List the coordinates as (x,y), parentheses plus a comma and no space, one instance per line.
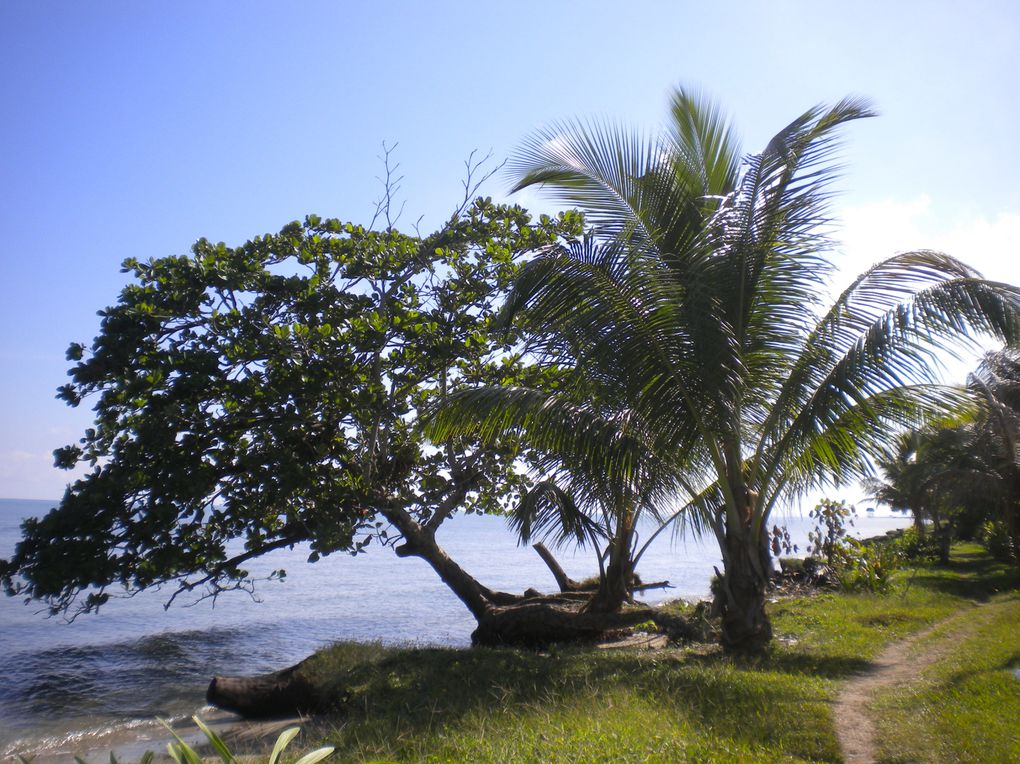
(391,185)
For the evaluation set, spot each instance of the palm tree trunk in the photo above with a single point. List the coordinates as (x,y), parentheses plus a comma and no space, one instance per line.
(614,586)
(745,624)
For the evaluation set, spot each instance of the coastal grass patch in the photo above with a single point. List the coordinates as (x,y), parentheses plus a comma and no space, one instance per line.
(428,704)
(577,705)
(966,706)
(844,631)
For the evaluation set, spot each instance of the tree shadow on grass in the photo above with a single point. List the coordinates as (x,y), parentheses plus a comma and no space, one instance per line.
(975,579)
(423,689)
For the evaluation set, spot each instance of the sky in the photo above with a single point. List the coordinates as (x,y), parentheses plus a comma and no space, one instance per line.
(133,129)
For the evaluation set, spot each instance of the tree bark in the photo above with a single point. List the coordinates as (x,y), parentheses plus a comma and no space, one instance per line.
(563,581)
(275,694)
(614,587)
(745,624)
(420,542)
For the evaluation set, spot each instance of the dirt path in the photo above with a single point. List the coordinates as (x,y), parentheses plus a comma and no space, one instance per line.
(896,665)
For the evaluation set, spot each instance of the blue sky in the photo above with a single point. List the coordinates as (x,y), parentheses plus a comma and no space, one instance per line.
(132,129)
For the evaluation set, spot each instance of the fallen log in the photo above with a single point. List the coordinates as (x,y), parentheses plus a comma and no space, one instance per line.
(282,692)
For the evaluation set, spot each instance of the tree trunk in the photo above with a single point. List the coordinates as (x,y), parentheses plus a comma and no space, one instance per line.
(421,542)
(918,516)
(276,694)
(563,581)
(745,625)
(614,586)
(541,622)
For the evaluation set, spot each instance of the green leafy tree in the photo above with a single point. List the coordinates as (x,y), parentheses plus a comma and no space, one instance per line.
(703,316)
(256,397)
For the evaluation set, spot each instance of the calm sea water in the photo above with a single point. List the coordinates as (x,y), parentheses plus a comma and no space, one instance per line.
(104,678)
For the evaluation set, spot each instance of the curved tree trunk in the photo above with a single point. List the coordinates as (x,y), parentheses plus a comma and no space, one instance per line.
(420,541)
(563,581)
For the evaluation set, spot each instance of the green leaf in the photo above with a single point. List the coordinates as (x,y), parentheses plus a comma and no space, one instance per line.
(315,756)
(282,742)
(216,740)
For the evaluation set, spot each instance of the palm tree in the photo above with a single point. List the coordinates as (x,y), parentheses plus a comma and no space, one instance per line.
(582,495)
(997,382)
(702,319)
(901,485)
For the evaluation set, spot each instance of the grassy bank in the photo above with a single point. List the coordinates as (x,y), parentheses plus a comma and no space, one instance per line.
(682,704)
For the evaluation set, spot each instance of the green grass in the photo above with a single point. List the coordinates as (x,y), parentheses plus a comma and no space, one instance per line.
(682,704)
(965,707)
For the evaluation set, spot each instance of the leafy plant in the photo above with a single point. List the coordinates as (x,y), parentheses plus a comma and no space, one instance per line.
(912,545)
(994,537)
(182,753)
(862,566)
(832,517)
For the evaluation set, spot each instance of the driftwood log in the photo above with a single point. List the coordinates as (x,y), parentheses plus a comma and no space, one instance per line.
(281,692)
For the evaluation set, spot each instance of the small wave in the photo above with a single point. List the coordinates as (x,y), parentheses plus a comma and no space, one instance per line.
(129,737)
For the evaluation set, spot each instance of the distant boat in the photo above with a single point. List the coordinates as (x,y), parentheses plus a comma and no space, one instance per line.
(870,509)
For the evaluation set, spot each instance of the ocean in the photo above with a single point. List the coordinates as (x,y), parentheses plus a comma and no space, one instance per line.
(100,682)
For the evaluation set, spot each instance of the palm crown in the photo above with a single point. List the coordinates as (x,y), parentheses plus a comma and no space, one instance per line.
(696,321)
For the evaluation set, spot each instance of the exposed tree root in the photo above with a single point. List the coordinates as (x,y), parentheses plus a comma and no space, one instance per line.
(533,622)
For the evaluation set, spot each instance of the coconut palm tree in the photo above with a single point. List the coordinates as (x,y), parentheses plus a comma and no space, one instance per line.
(901,484)
(703,320)
(997,382)
(584,495)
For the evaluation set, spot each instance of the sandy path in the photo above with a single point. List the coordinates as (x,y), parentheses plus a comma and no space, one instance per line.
(896,665)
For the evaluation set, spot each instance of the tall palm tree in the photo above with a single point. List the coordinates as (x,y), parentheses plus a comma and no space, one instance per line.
(702,318)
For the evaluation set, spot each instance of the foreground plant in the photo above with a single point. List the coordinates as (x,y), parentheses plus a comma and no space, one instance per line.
(182,753)
(699,316)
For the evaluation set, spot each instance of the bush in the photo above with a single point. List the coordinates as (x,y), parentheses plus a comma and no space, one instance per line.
(992,535)
(860,566)
(910,545)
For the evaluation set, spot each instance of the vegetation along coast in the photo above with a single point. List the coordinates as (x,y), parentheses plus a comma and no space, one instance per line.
(666,355)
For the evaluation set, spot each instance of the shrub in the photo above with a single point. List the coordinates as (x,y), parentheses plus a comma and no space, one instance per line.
(993,536)
(910,545)
(862,566)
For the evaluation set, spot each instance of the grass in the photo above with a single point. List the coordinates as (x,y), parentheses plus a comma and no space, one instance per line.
(681,704)
(966,706)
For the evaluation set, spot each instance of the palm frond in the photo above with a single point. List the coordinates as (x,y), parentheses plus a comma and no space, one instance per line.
(547,512)
(597,166)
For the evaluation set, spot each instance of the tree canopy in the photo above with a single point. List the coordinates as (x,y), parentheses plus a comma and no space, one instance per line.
(250,398)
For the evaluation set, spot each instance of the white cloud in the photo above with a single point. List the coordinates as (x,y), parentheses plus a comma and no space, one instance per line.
(875,231)
(31,475)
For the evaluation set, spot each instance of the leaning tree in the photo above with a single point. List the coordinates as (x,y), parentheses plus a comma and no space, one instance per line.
(705,315)
(257,397)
